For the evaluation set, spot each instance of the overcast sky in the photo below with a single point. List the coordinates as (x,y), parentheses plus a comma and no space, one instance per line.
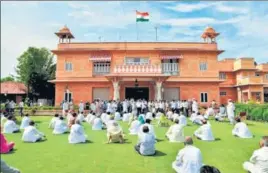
(243,26)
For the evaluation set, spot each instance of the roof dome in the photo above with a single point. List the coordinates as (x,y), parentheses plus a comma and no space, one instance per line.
(209,30)
(65,29)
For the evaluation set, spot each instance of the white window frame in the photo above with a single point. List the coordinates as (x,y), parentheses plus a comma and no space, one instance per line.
(223,93)
(68,99)
(266,76)
(222,75)
(68,66)
(129,59)
(201,97)
(203,66)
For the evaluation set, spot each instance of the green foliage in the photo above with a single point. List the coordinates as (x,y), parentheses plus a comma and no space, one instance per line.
(35,67)
(256,112)
(8,78)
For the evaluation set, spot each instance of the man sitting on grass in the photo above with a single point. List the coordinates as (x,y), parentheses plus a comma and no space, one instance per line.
(77,134)
(241,129)
(134,127)
(53,120)
(31,134)
(60,126)
(81,117)
(25,121)
(258,162)
(175,132)
(115,133)
(189,159)
(10,126)
(222,113)
(151,127)
(182,119)
(204,132)
(146,144)
(97,124)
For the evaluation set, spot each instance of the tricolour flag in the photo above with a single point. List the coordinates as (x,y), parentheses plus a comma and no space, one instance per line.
(142,16)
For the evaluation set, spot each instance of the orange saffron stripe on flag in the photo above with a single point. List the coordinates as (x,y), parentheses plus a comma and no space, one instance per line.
(142,13)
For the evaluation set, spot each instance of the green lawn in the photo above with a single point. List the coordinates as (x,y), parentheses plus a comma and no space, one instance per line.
(57,156)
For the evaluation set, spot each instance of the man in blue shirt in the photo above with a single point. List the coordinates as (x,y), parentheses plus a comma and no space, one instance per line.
(146,144)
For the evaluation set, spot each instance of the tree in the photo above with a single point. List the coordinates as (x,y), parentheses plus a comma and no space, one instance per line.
(35,67)
(8,78)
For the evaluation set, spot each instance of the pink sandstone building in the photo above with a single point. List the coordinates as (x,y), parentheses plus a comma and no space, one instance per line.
(155,71)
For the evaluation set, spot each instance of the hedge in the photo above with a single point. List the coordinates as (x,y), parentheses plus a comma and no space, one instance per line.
(256,112)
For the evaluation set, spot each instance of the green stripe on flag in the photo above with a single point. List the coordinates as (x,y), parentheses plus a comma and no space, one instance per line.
(142,20)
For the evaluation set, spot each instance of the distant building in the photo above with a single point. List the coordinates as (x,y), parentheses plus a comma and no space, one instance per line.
(154,71)
(11,90)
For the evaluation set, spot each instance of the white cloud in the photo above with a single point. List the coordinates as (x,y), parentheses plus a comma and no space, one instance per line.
(218,6)
(183,7)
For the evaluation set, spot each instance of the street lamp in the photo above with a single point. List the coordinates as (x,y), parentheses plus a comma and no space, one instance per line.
(136,84)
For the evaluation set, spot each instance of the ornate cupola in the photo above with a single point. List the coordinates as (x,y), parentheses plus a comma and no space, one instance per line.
(64,35)
(210,35)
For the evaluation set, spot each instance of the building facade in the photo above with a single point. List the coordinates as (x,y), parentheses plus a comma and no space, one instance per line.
(154,71)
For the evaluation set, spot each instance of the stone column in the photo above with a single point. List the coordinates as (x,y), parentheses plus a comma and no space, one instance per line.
(158,90)
(116,90)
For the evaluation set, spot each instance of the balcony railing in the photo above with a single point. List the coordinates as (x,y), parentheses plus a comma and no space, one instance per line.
(101,68)
(137,69)
(250,80)
(170,68)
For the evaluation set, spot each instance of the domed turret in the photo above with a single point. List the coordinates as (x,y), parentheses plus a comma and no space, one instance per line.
(209,33)
(64,35)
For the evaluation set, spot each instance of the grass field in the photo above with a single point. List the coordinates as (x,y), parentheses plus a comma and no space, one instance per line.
(57,156)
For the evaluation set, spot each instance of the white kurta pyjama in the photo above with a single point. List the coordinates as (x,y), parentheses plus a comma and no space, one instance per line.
(97,124)
(87,119)
(60,127)
(258,162)
(205,133)
(183,120)
(25,122)
(241,130)
(195,106)
(230,112)
(149,115)
(52,122)
(10,126)
(134,127)
(175,133)
(151,129)
(117,116)
(31,134)
(126,117)
(188,160)
(81,117)
(77,134)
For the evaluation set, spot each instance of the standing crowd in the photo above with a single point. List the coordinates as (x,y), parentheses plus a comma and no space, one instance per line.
(105,115)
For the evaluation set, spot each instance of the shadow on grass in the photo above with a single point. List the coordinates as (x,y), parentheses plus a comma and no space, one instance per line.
(217,139)
(250,124)
(159,153)
(159,140)
(11,152)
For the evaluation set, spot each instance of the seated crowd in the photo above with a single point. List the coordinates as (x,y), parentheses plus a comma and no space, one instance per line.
(139,118)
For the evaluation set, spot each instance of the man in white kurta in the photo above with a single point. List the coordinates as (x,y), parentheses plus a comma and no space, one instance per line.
(149,115)
(53,120)
(189,159)
(126,117)
(31,134)
(65,107)
(195,106)
(60,126)
(204,132)
(77,134)
(183,120)
(209,112)
(151,128)
(230,111)
(117,116)
(10,126)
(258,162)
(175,132)
(3,119)
(25,122)
(134,127)
(198,119)
(81,116)
(97,124)
(81,106)
(241,130)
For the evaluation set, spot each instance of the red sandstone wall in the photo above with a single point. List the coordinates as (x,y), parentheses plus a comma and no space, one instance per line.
(80,91)
(231,93)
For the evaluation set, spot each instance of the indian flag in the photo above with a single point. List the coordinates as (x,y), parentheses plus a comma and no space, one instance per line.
(142,16)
